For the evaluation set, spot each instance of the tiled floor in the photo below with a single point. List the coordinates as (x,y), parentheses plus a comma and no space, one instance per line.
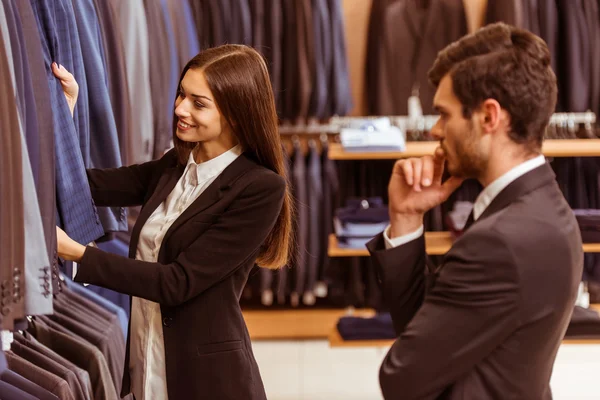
(311,370)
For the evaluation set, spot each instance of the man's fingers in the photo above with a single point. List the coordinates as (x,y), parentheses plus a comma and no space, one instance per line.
(427,172)
(407,169)
(439,157)
(417,164)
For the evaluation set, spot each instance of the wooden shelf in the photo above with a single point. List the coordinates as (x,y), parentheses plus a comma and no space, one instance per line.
(551,148)
(336,340)
(296,324)
(436,243)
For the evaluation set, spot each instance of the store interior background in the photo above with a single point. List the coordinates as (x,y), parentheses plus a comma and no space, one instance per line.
(312,370)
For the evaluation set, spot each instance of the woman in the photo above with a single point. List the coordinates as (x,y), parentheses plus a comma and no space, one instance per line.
(211,207)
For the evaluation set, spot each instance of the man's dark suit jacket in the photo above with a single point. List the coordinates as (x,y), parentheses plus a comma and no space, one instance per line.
(488,322)
(203,265)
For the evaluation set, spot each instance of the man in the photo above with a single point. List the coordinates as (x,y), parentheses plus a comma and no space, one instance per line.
(487,323)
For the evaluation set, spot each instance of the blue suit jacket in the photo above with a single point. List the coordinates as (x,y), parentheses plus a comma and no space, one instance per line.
(76,211)
(104,141)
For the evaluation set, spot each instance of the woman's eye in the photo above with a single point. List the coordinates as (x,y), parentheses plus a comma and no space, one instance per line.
(199,105)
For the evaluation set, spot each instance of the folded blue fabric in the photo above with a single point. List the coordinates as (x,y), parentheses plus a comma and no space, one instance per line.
(359,328)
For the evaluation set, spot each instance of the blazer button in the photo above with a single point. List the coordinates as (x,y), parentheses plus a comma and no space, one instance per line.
(167,321)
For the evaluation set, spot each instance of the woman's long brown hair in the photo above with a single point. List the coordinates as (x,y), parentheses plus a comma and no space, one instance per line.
(238,78)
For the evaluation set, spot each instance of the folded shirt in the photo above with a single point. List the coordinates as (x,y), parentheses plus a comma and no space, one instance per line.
(359,328)
(589,224)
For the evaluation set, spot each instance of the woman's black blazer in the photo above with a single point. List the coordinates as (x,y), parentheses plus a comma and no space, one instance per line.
(203,265)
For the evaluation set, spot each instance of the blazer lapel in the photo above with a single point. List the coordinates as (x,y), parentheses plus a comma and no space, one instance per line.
(214,192)
(532,180)
(165,185)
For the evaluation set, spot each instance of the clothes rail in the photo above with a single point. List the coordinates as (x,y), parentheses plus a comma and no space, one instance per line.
(423,123)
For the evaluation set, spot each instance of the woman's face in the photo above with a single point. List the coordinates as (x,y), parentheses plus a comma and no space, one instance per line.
(198,117)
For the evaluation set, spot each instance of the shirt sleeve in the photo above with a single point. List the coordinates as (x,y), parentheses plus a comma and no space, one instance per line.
(400,240)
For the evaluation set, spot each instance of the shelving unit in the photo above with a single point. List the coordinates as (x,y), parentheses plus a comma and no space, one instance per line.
(436,243)
(297,324)
(551,148)
(336,340)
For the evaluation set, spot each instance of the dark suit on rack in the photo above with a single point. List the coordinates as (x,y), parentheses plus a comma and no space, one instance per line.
(202,268)
(28,387)
(341,102)
(51,366)
(412,39)
(103,138)
(40,376)
(273,50)
(83,378)
(471,328)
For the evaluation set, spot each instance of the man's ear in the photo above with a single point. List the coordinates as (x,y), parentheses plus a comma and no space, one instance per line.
(491,115)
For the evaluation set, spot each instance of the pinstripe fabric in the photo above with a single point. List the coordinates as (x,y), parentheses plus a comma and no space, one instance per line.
(77,213)
(104,141)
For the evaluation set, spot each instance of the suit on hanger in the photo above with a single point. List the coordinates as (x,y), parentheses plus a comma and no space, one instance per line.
(340,85)
(45,183)
(322,54)
(574,57)
(83,378)
(77,214)
(39,376)
(132,25)
(510,279)
(17,381)
(273,50)
(116,74)
(80,353)
(103,138)
(244,194)
(376,68)
(51,366)
(513,12)
(413,36)
(12,234)
(9,392)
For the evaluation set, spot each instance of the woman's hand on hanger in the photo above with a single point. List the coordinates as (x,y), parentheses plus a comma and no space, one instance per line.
(67,248)
(416,187)
(69,85)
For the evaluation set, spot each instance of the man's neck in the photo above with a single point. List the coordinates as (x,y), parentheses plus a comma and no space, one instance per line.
(501,163)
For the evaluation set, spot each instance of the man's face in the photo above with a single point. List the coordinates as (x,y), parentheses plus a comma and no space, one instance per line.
(459,137)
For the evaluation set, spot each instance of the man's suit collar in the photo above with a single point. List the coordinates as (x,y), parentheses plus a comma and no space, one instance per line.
(530,181)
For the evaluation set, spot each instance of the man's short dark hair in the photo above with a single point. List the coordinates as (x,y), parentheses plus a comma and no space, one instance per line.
(508,64)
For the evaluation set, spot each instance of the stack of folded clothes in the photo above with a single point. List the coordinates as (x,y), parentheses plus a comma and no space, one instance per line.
(360,221)
(585,324)
(376,134)
(359,328)
(589,224)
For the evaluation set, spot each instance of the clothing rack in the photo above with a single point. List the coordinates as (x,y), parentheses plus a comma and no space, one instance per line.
(422,123)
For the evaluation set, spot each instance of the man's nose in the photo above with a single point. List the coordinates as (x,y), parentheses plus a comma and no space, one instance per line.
(436,131)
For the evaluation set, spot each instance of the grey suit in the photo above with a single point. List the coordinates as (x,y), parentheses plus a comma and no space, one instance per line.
(11,202)
(45,183)
(51,366)
(132,25)
(39,376)
(82,354)
(83,378)
(16,380)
